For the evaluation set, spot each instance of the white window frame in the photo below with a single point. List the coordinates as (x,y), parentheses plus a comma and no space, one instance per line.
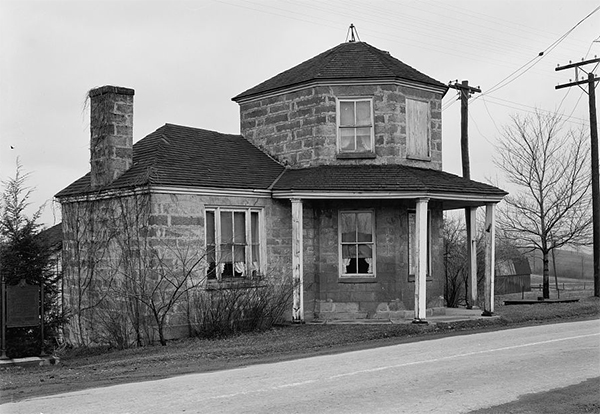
(340,127)
(412,215)
(411,129)
(250,271)
(372,243)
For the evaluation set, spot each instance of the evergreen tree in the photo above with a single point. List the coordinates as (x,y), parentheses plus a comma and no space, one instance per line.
(24,254)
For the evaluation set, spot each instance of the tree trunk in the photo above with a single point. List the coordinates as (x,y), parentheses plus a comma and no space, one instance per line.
(160,321)
(161,335)
(546,280)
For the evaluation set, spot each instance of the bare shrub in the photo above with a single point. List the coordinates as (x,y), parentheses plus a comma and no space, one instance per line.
(252,305)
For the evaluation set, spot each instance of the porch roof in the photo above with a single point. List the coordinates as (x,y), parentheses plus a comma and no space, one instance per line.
(384,182)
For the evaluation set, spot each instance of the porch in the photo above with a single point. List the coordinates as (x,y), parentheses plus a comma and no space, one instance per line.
(417,190)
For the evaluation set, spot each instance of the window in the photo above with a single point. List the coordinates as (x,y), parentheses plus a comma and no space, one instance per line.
(413,254)
(233,243)
(417,129)
(355,126)
(357,244)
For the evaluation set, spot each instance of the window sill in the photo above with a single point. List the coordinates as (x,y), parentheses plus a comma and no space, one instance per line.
(417,158)
(357,279)
(411,278)
(233,283)
(356,155)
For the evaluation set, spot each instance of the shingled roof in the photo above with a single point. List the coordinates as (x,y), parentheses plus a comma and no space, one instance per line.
(180,156)
(347,61)
(52,236)
(382,178)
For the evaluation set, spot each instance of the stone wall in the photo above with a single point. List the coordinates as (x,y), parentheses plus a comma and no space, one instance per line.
(181,217)
(390,295)
(109,243)
(299,128)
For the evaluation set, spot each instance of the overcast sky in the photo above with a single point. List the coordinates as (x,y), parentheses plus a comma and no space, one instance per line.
(186,60)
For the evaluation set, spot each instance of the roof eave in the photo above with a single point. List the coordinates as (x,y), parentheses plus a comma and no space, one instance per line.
(397,194)
(245,98)
(101,194)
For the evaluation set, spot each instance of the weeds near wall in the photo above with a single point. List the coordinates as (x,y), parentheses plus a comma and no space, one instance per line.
(255,305)
(133,278)
(125,279)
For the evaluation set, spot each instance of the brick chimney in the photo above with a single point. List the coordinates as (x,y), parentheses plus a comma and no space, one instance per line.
(111,127)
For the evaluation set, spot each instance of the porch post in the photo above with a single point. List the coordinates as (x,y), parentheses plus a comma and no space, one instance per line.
(297,259)
(490,259)
(472,254)
(421,275)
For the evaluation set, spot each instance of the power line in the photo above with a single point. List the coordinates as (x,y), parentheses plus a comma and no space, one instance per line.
(567,118)
(380,19)
(597,40)
(531,63)
(512,27)
(479,130)
(490,115)
(376,17)
(463,35)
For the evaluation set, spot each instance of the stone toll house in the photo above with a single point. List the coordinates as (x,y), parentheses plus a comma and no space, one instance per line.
(335,180)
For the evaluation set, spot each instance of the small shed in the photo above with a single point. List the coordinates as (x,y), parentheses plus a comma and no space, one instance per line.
(512,276)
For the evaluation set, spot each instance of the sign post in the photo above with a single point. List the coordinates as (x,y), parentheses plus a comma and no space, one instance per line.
(22,306)
(3,311)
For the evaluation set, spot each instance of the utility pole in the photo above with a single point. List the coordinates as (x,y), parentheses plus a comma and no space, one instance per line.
(465,93)
(591,81)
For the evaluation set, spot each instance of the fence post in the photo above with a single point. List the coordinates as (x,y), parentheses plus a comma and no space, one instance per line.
(42,353)
(3,322)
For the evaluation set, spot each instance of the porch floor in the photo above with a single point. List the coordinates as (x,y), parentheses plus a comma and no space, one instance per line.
(439,315)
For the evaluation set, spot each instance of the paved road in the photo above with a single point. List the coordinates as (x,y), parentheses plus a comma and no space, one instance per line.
(449,375)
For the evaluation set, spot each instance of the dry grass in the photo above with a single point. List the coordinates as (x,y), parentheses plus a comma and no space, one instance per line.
(86,368)
(575,399)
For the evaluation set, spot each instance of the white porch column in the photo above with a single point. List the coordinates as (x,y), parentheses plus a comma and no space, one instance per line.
(472,254)
(490,259)
(421,275)
(297,259)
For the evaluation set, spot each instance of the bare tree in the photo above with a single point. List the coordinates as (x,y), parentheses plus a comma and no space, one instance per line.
(132,277)
(163,283)
(455,260)
(550,167)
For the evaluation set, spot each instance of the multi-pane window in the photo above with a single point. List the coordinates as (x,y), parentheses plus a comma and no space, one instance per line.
(357,244)
(233,243)
(417,129)
(355,126)
(413,251)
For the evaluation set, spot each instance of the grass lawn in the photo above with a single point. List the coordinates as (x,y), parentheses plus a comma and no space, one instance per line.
(88,368)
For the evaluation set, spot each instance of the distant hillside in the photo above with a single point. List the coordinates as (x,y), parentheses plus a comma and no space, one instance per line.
(569,263)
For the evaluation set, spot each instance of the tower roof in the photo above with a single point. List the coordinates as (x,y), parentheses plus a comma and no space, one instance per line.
(347,61)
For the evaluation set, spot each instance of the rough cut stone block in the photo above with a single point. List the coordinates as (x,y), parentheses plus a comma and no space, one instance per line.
(346,307)
(325,306)
(186,221)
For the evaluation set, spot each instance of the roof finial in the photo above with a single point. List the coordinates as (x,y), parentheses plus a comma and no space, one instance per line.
(352,32)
